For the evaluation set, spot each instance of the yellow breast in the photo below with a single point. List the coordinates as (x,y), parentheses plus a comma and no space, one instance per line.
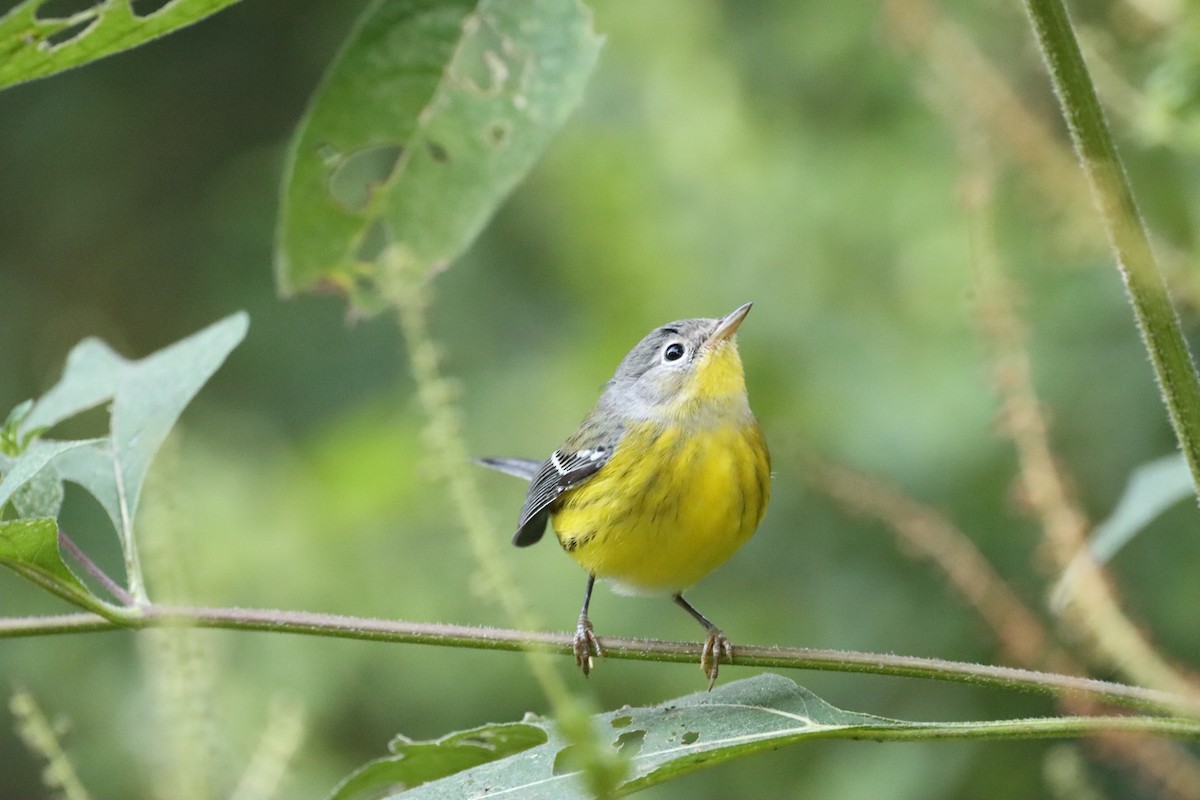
(671,506)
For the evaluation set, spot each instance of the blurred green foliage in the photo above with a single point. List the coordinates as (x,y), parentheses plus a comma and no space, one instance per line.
(807,156)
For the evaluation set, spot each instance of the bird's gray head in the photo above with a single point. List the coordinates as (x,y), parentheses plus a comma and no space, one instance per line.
(681,366)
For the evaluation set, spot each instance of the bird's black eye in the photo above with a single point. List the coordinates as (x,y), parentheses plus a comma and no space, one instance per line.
(674,352)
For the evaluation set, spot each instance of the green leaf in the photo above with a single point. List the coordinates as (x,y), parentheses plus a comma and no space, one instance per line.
(1152,489)
(430,115)
(35,42)
(762,713)
(147,398)
(416,763)
(11,442)
(700,729)
(29,547)
(40,497)
(32,466)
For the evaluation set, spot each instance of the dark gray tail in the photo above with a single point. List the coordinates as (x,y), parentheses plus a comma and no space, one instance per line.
(517,467)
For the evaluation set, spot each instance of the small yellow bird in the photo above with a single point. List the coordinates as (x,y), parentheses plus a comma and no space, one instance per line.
(664,479)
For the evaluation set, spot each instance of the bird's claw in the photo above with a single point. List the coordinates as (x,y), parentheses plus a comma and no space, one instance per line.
(586,645)
(716,648)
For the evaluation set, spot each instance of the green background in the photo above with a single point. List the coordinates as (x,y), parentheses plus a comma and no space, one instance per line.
(799,155)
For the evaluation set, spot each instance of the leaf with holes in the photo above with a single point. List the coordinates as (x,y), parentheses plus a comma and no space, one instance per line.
(432,113)
(417,763)
(661,741)
(42,37)
(683,735)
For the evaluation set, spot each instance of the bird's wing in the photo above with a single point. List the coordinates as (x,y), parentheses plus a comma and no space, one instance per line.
(565,469)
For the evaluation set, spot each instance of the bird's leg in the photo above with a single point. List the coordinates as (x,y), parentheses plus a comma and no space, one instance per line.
(716,646)
(586,643)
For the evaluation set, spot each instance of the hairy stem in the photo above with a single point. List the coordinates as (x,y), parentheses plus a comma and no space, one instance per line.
(1156,319)
(407,287)
(93,569)
(409,291)
(1045,728)
(344,627)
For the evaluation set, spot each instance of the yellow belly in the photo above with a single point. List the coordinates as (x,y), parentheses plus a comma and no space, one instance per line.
(670,507)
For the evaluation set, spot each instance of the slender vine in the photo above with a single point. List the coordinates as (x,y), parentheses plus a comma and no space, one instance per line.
(380,630)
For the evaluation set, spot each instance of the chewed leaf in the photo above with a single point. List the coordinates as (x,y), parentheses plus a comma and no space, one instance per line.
(755,714)
(36,41)
(762,713)
(1152,489)
(29,547)
(417,763)
(431,114)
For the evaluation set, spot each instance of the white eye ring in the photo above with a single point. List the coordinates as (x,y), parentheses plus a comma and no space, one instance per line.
(673,352)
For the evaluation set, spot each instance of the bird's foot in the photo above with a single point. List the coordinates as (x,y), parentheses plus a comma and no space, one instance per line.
(716,647)
(586,645)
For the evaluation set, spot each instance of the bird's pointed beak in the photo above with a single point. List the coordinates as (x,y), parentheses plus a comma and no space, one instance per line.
(728,325)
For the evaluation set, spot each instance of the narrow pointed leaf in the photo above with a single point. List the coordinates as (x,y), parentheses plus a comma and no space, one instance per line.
(431,114)
(1152,489)
(35,42)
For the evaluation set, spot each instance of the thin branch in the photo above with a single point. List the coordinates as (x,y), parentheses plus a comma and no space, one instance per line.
(344,627)
(1037,728)
(91,568)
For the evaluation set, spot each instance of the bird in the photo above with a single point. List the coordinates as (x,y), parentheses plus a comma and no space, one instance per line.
(663,480)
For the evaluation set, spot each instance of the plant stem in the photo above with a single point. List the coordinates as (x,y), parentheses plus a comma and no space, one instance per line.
(1040,728)
(93,569)
(133,566)
(345,627)
(1156,319)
